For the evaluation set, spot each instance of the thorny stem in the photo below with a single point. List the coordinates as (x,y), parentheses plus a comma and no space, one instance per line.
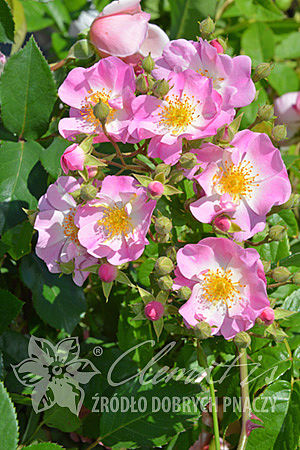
(203,362)
(58,65)
(275,285)
(256,244)
(245,397)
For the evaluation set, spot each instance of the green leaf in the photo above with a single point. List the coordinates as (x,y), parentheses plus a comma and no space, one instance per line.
(27,92)
(171,190)
(62,419)
(106,287)
(288,436)
(20,24)
(10,306)
(283,79)
(144,271)
(271,407)
(6,23)
(50,156)
(274,251)
(158,326)
(57,300)
(293,260)
(287,219)
(18,239)
(43,446)
(8,423)
(143,179)
(282,313)
(123,279)
(259,10)
(250,111)
(17,160)
(292,303)
(258,42)
(145,295)
(82,49)
(289,47)
(150,428)
(185,15)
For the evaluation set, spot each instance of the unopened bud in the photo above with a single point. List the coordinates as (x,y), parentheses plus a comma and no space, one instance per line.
(223,223)
(155,189)
(160,88)
(266,266)
(277,233)
(280,274)
(101,111)
(31,214)
(88,192)
(171,253)
(188,160)
(165,283)
(107,272)
(265,112)
(67,267)
(242,339)
(164,265)
(154,310)
(279,133)
(148,64)
(203,330)
(141,84)
(262,71)
(163,225)
(292,202)
(217,45)
(162,168)
(296,278)
(176,176)
(163,238)
(267,316)
(184,293)
(207,27)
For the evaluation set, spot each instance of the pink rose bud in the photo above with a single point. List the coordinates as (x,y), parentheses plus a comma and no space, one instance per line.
(2,62)
(92,171)
(154,310)
(215,43)
(107,272)
(267,316)
(72,158)
(222,223)
(112,32)
(155,189)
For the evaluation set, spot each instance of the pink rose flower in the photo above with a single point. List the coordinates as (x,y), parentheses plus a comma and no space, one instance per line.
(122,30)
(245,182)
(231,77)
(72,158)
(115,224)
(226,289)
(109,80)
(191,110)
(287,109)
(154,310)
(58,236)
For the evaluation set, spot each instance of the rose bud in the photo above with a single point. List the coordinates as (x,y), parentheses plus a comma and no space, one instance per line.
(164,265)
(242,339)
(154,310)
(267,316)
(155,189)
(72,158)
(215,43)
(222,223)
(107,272)
(92,171)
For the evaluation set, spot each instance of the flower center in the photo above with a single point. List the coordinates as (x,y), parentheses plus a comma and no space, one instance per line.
(218,286)
(237,181)
(178,114)
(215,80)
(116,221)
(90,101)
(69,227)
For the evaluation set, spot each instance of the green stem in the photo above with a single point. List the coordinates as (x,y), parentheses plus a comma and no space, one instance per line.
(245,397)
(203,363)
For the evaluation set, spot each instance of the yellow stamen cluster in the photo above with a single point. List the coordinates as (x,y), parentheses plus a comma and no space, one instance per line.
(205,73)
(69,227)
(90,101)
(116,222)
(218,286)
(178,114)
(236,180)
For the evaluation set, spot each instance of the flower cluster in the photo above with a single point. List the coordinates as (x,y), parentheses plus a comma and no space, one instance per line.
(172,109)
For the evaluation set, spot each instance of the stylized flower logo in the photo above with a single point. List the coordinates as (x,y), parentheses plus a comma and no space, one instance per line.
(55,373)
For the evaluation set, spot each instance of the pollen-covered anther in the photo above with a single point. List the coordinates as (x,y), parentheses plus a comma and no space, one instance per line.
(218,286)
(236,180)
(90,101)
(69,227)
(116,221)
(178,113)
